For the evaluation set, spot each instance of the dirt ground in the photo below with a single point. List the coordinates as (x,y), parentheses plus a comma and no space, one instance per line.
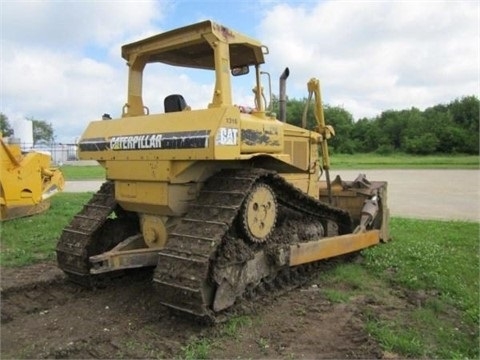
(45,316)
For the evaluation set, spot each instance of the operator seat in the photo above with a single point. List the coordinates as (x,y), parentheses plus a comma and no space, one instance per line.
(174,102)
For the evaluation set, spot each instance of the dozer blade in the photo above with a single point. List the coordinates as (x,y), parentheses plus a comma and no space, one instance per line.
(366,202)
(303,253)
(26,182)
(23,211)
(266,264)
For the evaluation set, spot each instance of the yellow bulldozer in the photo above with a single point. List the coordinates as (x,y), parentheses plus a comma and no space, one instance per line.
(219,200)
(27,181)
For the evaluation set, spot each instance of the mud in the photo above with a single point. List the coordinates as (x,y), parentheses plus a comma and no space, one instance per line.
(45,316)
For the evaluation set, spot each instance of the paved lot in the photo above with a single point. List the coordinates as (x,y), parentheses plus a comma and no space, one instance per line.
(82,186)
(424,194)
(428,194)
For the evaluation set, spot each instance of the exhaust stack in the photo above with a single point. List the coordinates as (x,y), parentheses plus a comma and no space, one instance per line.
(282,102)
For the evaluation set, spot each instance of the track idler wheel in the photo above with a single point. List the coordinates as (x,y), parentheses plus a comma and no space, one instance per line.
(259,213)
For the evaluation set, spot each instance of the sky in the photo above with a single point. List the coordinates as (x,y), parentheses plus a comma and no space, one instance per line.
(60,60)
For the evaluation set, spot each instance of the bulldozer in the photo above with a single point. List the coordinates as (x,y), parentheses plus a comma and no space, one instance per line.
(27,181)
(218,200)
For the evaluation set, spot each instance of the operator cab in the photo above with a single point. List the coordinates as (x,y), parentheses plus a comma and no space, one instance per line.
(205,45)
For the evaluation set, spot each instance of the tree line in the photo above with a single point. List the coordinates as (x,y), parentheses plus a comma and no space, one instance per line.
(441,129)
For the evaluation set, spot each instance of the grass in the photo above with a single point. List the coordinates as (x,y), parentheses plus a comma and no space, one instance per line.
(233,326)
(196,349)
(396,339)
(200,348)
(71,172)
(426,280)
(136,346)
(423,288)
(436,266)
(33,239)
(263,345)
(435,257)
(404,161)
(336,296)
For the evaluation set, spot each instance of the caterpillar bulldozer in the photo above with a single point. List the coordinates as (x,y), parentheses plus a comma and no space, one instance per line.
(219,200)
(27,181)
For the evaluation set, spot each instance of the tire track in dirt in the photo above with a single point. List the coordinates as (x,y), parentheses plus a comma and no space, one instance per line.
(53,318)
(45,316)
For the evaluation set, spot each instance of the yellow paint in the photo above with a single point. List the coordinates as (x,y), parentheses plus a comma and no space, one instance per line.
(26,181)
(332,246)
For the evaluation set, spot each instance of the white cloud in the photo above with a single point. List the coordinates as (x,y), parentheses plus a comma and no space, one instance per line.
(60,61)
(59,88)
(70,24)
(57,64)
(161,81)
(374,56)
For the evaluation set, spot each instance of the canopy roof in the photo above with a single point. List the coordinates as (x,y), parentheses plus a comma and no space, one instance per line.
(190,46)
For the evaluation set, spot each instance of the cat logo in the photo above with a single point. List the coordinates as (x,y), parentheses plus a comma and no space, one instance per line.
(227,136)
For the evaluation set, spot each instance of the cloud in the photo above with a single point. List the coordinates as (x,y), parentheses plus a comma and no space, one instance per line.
(73,24)
(57,87)
(60,61)
(374,56)
(57,60)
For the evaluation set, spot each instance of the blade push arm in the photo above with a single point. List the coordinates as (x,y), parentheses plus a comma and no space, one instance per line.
(326,131)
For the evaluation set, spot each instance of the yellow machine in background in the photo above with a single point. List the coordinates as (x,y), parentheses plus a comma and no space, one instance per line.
(222,199)
(26,181)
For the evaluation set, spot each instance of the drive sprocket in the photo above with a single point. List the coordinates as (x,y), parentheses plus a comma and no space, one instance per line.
(259,213)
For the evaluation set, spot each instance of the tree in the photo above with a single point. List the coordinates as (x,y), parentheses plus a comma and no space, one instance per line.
(417,131)
(42,131)
(393,124)
(456,125)
(295,110)
(342,122)
(365,135)
(466,115)
(5,127)
(450,128)
(422,144)
(466,112)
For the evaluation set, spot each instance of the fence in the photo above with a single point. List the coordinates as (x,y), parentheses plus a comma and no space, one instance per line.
(59,152)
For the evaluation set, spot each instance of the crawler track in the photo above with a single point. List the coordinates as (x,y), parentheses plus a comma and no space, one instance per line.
(207,243)
(196,270)
(98,227)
